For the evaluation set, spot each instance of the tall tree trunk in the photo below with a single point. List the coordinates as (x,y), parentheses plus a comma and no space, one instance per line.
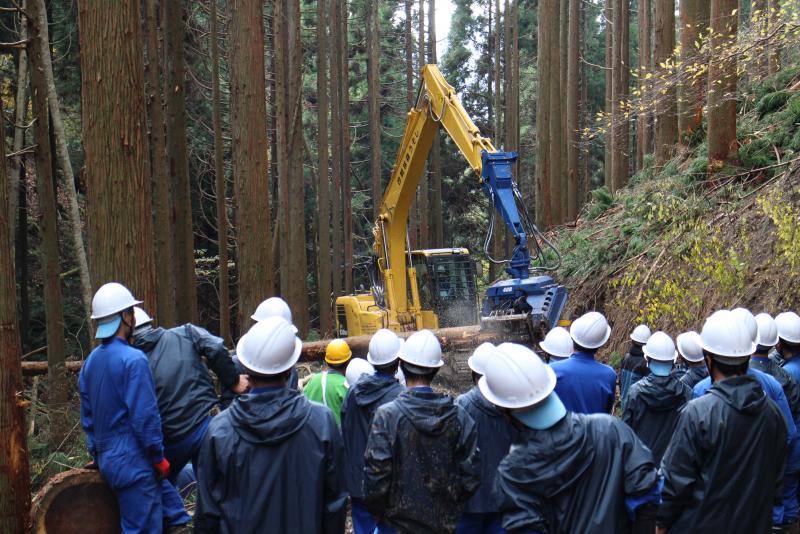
(250,155)
(164,242)
(666,120)
(409,48)
(608,15)
(556,134)
(345,123)
(337,150)
(323,185)
(691,93)
(563,48)
(15,490)
(573,109)
(58,393)
(221,188)
(722,85)
(619,95)
(62,157)
(20,112)
(496,269)
(773,19)
(115,144)
(21,257)
(435,157)
(423,190)
(543,140)
(644,132)
(185,287)
(374,95)
(289,131)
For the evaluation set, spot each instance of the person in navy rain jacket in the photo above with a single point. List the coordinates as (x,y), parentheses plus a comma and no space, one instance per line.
(119,414)
(585,385)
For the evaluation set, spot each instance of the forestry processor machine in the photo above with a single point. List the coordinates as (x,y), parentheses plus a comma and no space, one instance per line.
(436,288)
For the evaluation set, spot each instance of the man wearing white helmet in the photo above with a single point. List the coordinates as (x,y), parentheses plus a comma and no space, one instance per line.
(179,360)
(495,435)
(557,345)
(690,359)
(786,515)
(271,307)
(723,469)
(584,384)
(421,463)
(362,401)
(654,402)
(634,367)
(566,472)
(119,413)
(271,462)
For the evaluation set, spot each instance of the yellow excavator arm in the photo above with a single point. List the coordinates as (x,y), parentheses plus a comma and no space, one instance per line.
(437,104)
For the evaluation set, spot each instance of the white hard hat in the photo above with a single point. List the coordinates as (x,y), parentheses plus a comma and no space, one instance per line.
(689,346)
(590,330)
(141,317)
(516,377)
(383,347)
(767,330)
(660,348)
(477,362)
(641,334)
(788,324)
(356,368)
(423,350)
(558,343)
(748,320)
(273,306)
(270,347)
(112,298)
(727,338)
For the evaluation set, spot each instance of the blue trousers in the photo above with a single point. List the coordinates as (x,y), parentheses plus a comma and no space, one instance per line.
(146,504)
(480,524)
(364,523)
(185,450)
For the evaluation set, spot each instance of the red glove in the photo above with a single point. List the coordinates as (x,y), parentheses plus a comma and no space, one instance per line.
(162,468)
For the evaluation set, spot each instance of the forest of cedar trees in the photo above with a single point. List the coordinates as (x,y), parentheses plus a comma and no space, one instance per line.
(213,153)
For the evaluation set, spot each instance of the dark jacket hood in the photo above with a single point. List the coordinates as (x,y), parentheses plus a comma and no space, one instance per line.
(663,393)
(476,398)
(567,460)
(636,350)
(147,339)
(269,418)
(429,412)
(372,389)
(742,393)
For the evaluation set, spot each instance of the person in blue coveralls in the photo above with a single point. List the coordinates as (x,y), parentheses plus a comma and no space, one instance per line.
(584,384)
(119,413)
(565,472)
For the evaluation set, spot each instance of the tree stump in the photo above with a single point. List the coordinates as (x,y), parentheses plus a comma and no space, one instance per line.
(76,501)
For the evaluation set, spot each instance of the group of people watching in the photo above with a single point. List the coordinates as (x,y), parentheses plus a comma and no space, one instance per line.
(707,439)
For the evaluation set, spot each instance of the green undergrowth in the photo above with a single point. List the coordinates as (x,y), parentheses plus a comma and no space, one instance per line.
(677,242)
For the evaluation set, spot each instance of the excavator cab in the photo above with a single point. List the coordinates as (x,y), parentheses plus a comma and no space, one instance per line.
(447,285)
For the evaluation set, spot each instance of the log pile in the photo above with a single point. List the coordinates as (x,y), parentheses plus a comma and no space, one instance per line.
(452,339)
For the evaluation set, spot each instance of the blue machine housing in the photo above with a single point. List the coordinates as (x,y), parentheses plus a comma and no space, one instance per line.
(539,298)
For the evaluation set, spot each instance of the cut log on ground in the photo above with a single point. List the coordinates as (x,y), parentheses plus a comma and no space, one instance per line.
(76,501)
(452,339)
